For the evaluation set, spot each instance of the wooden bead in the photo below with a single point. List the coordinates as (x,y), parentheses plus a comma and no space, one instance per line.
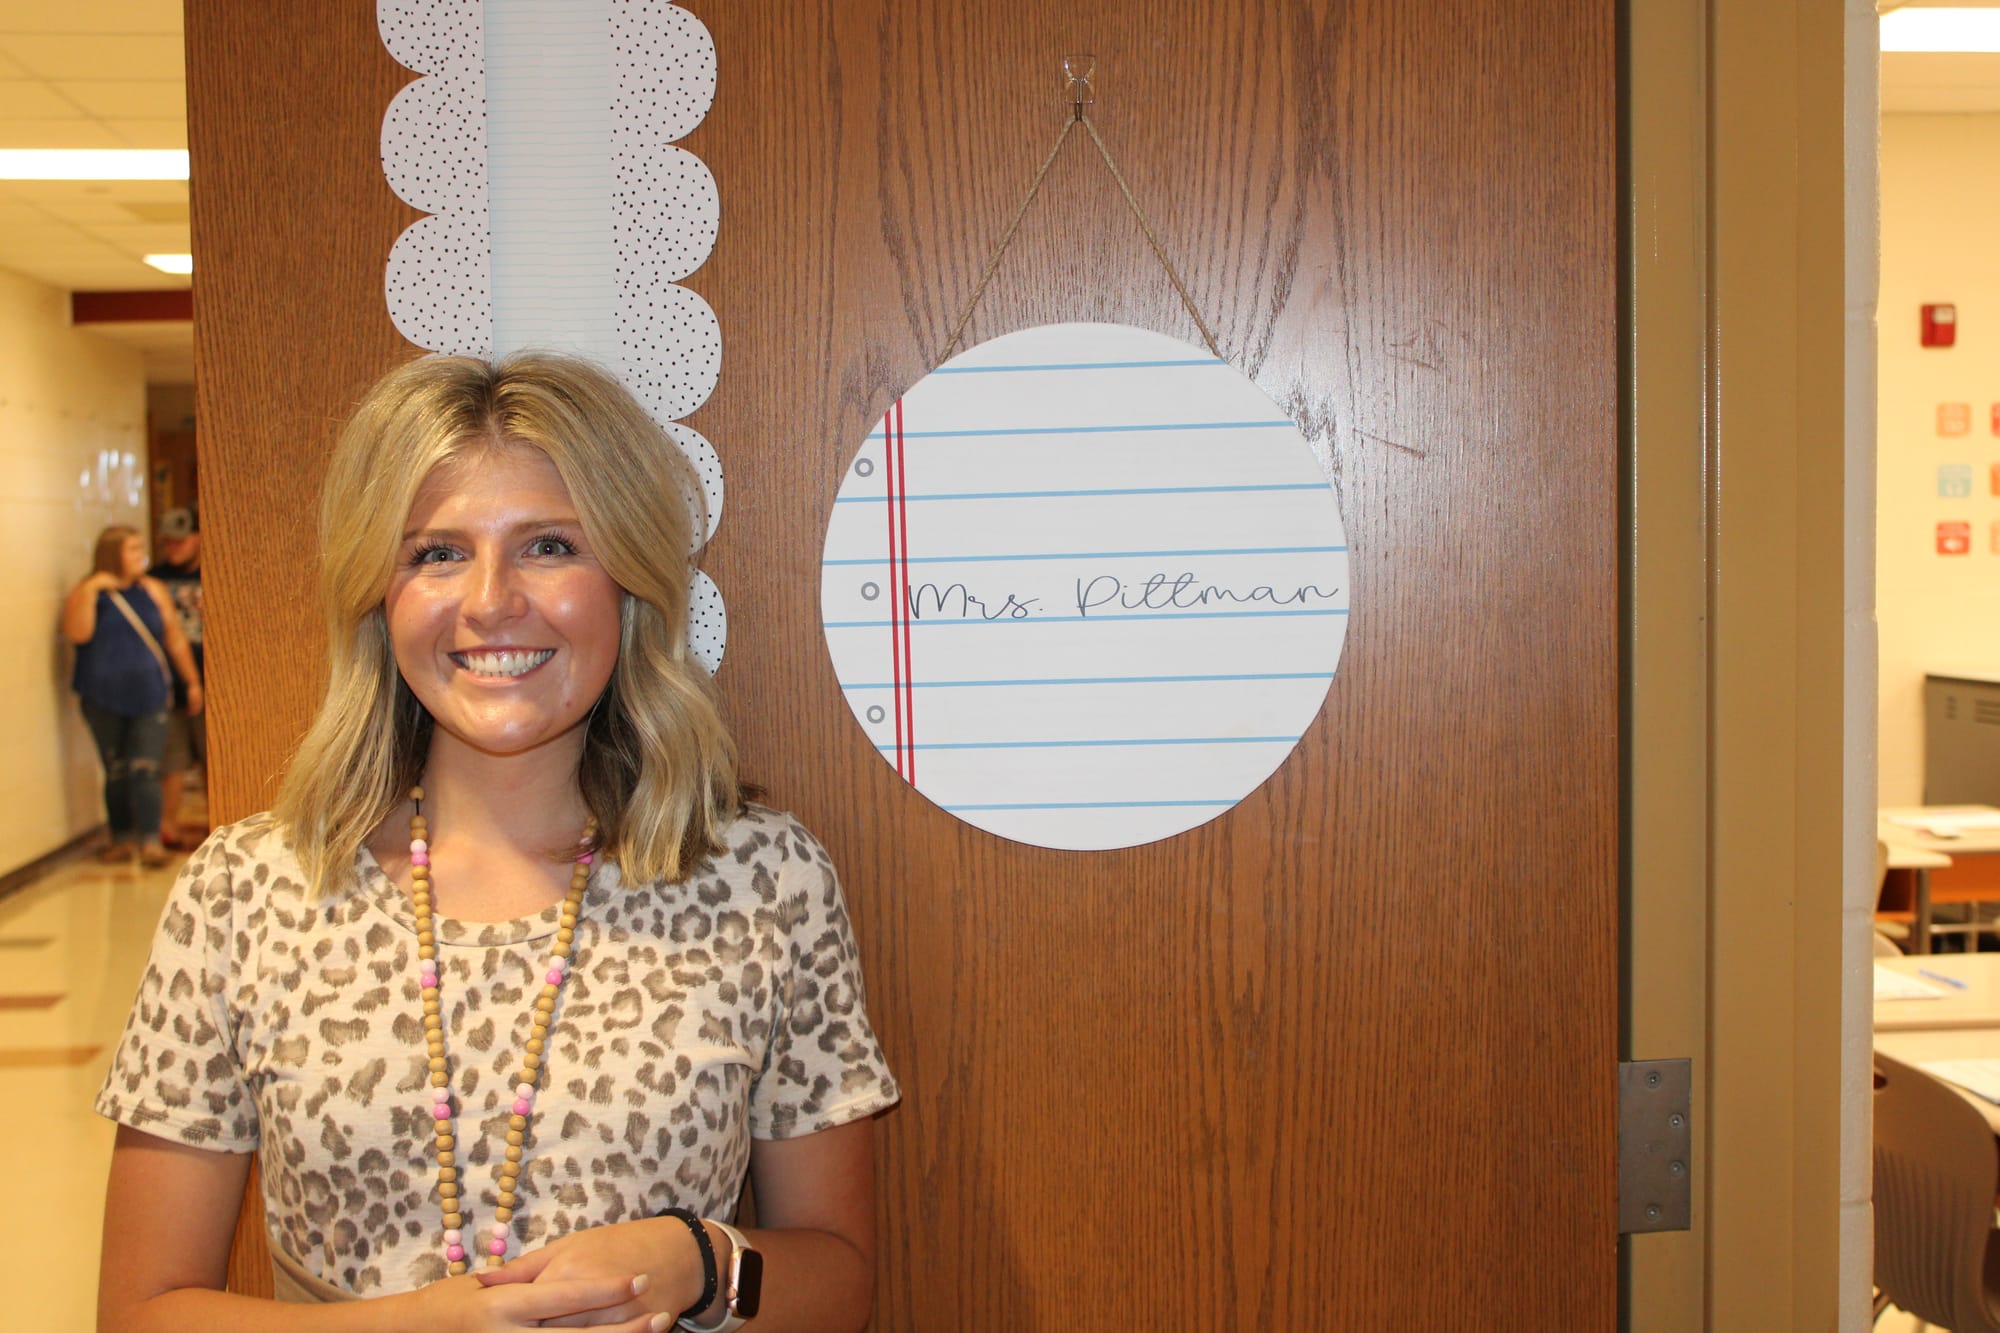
(447,1173)
(447,1191)
(513,1152)
(456,1267)
(533,1062)
(503,1214)
(514,1139)
(445,1142)
(446,1157)
(517,1122)
(436,1068)
(454,1221)
(507,1198)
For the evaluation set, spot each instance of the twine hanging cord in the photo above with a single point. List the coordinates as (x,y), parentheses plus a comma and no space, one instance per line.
(1034,188)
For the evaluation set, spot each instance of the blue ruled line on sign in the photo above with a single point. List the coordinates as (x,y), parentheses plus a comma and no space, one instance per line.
(1139,429)
(1093,680)
(1090,555)
(1077,365)
(1070,620)
(1065,495)
(1099,744)
(1089,805)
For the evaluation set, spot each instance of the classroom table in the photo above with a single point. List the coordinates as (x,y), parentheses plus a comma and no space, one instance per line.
(1973,1004)
(1920,851)
(1963,1024)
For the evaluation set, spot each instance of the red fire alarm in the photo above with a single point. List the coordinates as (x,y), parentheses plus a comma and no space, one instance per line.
(1940,325)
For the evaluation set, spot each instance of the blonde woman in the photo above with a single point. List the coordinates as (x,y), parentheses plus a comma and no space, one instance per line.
(126,632)
(512,987)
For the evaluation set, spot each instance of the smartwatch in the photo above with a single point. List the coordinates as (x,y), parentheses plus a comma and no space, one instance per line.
(742,1284)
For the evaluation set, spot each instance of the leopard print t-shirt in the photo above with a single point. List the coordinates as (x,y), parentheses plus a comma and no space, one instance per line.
(697,1015)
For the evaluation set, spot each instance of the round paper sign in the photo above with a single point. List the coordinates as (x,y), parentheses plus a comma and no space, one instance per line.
(1085,586)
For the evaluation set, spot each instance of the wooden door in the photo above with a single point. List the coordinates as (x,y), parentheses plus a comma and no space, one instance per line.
(1343,1057)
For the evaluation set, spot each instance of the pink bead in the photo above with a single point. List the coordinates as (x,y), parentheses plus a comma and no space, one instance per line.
(585,859)
(440,1094)
(429,980)
(498,1249)
(455,1253)
(554,977)
(418,847)
(441,1110)
(522,1106)
(524,1089)
(454,1237)
(420,858)
(499,1231)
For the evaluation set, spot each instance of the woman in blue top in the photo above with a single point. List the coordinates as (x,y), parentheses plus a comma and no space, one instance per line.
(126,631)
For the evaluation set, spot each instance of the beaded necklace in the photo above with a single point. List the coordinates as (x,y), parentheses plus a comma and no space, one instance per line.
(455,1248)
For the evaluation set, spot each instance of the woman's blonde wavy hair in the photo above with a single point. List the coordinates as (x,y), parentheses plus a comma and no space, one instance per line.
(658,768)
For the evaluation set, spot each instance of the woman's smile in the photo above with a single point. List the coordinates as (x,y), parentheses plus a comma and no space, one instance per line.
(508,663)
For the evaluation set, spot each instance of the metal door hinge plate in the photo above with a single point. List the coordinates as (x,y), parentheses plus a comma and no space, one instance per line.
(1655,1145)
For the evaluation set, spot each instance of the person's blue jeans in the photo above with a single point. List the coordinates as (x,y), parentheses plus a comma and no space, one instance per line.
(131,748)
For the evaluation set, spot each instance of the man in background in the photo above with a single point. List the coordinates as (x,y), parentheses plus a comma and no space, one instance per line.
(179,568)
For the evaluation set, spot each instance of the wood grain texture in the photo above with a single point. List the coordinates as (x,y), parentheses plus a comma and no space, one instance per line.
(1344,1056)
(293,222)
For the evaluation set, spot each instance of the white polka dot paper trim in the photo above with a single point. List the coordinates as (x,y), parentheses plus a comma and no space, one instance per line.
(663,210)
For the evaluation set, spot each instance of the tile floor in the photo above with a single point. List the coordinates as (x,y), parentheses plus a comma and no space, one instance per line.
(72,947)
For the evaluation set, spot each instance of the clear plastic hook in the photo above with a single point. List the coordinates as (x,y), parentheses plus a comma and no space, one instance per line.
(1077,70)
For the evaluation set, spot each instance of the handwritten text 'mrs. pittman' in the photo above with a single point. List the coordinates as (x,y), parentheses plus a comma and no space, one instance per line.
(1156,592)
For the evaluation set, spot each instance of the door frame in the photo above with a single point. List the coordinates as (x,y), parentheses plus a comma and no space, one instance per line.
(1749,640)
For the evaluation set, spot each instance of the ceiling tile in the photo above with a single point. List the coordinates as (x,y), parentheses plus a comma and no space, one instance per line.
(137,238)
(108,16)
(69,56)
(129,99)
(141,211)
(78,133)
(58,195)
(1940,81)
(81,212)
(82,274)
(149,133)
(32,99)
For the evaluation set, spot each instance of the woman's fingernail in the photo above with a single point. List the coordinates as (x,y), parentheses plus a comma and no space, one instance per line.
(640,1283)
(662,1322)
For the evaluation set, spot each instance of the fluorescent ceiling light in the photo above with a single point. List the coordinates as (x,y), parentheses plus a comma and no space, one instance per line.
(1941,30)
(93,164)
(182,264)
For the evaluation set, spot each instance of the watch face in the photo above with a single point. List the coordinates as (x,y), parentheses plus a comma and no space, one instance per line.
(749,1275)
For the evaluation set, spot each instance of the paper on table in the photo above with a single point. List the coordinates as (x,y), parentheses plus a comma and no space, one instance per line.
(1893,985)
(1980,1077)
(1950,825)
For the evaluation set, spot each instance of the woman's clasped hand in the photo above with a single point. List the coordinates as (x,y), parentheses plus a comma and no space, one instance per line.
(468,1303)
(518,983)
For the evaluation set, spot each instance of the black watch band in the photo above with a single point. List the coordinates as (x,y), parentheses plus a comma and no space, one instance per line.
(710,1278)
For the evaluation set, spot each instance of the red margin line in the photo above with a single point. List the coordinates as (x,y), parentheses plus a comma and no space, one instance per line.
(909,664)
(895,571)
